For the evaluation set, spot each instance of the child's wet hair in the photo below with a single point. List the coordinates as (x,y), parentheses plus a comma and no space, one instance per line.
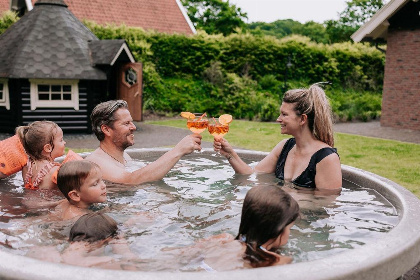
(35,136)
(73,174)
(266,212)
(93,227)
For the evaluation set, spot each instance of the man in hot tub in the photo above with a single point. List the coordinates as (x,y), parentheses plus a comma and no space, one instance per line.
(113,126)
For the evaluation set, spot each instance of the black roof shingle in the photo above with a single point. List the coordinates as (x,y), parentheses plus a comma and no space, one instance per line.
(103,52)
(49,42)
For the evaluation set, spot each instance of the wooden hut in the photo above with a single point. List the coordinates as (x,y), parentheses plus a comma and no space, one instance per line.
(52,67)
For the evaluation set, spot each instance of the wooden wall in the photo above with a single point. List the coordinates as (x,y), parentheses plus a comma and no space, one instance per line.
(68,119)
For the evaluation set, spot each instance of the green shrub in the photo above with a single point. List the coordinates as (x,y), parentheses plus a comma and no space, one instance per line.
(214,74)
(219,74)
(350,104)
(269,82)
(6,20)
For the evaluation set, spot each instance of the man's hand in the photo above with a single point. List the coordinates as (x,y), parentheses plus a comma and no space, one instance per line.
(188,144)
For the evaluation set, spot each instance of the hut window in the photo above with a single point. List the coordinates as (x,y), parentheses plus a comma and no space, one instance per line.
(54,93)
(4,94)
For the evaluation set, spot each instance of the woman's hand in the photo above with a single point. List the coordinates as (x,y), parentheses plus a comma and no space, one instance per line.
(222,145)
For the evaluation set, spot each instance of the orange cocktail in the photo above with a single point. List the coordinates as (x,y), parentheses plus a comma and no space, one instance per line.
(220,126)
(218,130)
(197,122)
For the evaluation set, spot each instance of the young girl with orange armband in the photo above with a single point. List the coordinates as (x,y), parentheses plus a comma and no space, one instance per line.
(43,142)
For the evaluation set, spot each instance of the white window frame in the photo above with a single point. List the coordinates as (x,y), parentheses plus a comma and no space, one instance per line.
(5,101)
(73,103)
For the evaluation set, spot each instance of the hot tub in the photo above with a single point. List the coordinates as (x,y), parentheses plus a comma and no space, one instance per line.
(387,258)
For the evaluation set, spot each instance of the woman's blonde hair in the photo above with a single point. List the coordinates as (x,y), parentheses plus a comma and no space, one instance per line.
(314,103)
(35,136)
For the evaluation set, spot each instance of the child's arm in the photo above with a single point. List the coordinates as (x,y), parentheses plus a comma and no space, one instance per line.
(120,247)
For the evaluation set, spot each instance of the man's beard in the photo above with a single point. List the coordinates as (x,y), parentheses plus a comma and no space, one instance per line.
(123,144)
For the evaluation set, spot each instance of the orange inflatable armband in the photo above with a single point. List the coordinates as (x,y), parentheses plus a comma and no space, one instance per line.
(70,157)
(12,156)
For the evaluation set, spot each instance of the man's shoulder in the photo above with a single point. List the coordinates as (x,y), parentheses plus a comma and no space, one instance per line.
(94,156)
(103,161)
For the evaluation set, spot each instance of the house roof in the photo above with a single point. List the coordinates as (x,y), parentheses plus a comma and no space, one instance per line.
(161,15)
(377,26)
(49,42)
(167,16)
(105,52)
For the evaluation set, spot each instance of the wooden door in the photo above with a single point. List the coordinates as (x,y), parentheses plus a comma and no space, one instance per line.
(130,88)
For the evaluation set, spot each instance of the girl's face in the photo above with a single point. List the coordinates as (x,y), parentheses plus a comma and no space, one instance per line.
(59,144)
(281,240)
(93,189)
(285,235)
(288,119)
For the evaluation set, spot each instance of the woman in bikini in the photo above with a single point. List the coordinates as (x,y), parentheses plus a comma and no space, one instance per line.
(308,160)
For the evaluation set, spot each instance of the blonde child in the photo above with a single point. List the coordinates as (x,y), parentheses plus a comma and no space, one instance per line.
(43,142)
(81,183)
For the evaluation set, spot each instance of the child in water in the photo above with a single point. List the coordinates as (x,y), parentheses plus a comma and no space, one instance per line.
(43,142)
(89,237)
(81,183)
(268,213)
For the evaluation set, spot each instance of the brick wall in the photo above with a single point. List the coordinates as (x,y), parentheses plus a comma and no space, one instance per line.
(401,93)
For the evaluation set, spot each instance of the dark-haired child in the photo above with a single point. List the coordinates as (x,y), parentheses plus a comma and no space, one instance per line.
(268,213)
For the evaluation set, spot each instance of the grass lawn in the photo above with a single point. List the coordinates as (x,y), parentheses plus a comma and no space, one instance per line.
(397,161)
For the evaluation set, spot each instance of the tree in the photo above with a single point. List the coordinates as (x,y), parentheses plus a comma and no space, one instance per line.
(352,18)
(215,16)
(315,31)
(358,12)
(284,27)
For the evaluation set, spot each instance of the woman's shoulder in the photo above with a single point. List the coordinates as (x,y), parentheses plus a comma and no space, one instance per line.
(279,147)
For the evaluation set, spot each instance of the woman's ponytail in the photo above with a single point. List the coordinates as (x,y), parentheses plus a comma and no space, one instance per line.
(314,103)
(322,125)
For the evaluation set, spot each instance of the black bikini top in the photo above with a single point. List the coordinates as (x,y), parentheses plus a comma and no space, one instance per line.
(307,178)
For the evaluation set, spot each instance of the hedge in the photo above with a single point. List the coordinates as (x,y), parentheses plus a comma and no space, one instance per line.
(245,74)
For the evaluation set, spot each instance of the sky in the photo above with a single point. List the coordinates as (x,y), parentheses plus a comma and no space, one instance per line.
(299,10)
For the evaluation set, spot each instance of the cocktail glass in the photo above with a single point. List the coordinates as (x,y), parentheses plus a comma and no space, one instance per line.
(198,124)
(217,129)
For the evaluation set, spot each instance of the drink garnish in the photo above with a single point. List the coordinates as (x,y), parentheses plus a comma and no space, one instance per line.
(225,119)
(202,116)
(187,115)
